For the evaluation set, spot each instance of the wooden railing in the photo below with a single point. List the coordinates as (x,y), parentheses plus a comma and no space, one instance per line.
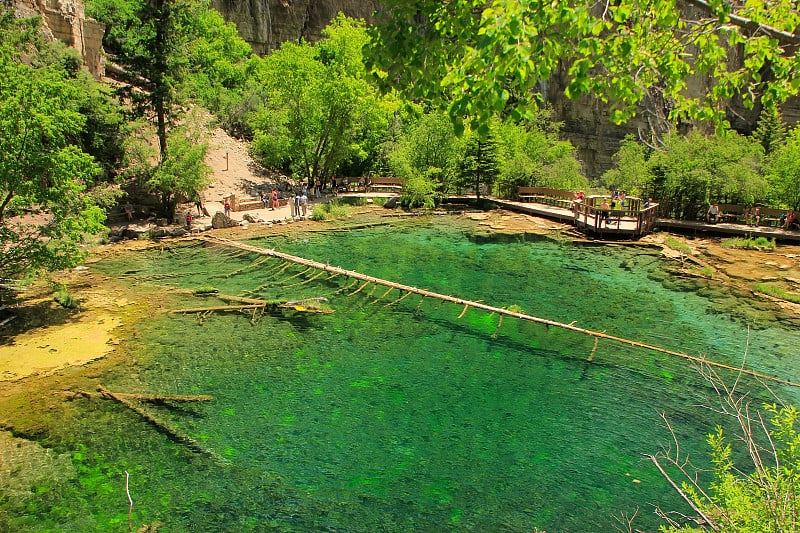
(588,215)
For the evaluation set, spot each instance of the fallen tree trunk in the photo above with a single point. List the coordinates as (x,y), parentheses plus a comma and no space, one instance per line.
(141,397)
(335,270)
(163,426)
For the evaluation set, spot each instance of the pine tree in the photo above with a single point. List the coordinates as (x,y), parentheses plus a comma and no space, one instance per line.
(771,130)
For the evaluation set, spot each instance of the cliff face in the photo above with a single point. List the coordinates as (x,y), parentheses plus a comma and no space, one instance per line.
(265,24)
(65,21)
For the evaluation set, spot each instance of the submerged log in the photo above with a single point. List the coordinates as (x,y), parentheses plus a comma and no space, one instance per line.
(141,397)
(164,426)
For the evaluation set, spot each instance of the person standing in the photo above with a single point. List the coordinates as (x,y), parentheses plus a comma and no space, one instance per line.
(304,203)
(128,210)
(274,198)
(226,204)
(604,212)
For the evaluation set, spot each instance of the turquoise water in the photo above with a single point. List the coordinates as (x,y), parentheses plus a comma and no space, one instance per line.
(407,417)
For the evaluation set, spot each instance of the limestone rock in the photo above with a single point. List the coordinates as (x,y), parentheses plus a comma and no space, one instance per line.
(265,24)
(221,221)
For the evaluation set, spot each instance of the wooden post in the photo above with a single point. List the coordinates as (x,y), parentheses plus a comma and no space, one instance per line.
(226,161)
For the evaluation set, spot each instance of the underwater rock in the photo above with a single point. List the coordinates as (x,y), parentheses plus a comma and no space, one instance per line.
(221,221)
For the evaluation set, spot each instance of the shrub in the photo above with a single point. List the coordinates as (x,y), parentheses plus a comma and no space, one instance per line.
(65,299)
(749,243)
(328,210)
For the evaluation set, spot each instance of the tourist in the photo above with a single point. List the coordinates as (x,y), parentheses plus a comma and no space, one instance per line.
(296,202)
(712,217)
(226,205)
(274,198)
(128,208)
(604,212)
(198,203)
(318,188)
(264,199)
(791,220)
(189,221)
(756,216)
(304,203)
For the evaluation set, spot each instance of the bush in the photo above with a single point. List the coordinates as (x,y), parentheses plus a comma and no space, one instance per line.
(749,243)
(328,210)
(65,299)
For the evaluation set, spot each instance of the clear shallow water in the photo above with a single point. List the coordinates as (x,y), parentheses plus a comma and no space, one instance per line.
(406,417)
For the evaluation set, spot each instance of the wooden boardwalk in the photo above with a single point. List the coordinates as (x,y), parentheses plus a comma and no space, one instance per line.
(625,227)
(728,229)
(621,225)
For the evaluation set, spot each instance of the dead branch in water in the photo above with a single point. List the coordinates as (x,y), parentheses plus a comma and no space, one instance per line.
(162,425)
(70,395)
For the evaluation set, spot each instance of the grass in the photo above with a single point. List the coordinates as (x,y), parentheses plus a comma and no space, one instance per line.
(749,243)
(339,207)
(677,245)
(777,292)
(707,271)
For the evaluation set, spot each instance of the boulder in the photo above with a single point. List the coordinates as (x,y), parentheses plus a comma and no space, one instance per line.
(221,221)
(391,203)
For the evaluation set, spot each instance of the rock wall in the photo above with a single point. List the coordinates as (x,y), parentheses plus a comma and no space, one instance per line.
(265,24)
(66,21)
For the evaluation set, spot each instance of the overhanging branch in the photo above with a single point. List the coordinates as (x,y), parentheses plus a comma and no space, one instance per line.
(742,22)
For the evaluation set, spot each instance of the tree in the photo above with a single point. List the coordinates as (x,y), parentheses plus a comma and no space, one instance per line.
(481,163)
(180,174)
(696,170)
(429,147)
(477,58)
(319,111)
(174,47)
(630,172)
(771,130)
(783,171)
(41,173)
(533,155)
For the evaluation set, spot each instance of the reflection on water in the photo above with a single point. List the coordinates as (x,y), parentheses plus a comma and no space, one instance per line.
(407,417)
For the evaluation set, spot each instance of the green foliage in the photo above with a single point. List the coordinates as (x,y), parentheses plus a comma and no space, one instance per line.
(771,130)
(678,245)
(763,498)
(777,292)
(319,113)
(179,174)
(750,243)
(428,147)
(630,172)
(696,170)
(328,210)
(477,58)
(65,299)
(418,191)
(481,164)
(40,171)
(783,171)
(533,155)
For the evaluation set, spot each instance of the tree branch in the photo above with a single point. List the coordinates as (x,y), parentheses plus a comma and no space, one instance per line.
(742,22)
